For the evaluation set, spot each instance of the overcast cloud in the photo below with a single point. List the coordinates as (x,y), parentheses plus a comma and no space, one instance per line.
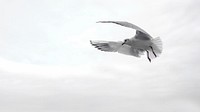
(48,65)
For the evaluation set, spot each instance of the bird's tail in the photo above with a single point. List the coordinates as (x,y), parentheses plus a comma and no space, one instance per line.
(156,49)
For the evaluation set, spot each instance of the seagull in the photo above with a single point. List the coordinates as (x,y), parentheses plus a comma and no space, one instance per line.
(135,46)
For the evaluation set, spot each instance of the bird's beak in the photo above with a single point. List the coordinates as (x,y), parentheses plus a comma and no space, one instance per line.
(123,42)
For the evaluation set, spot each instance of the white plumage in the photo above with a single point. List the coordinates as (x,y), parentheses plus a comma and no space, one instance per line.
(135,46)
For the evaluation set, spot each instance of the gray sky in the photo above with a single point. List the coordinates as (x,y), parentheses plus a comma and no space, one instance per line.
(48,65)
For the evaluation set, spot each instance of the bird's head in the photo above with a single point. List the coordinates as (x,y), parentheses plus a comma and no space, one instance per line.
(126,41)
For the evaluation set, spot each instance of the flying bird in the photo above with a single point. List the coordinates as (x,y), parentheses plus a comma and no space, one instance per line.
(135,46)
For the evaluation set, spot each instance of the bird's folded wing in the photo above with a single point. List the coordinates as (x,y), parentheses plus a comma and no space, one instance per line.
(141,34)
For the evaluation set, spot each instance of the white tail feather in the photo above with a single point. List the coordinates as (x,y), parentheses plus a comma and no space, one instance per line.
(157,47)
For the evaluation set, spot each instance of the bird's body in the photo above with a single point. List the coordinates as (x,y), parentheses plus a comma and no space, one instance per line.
(134,46)
(140,44)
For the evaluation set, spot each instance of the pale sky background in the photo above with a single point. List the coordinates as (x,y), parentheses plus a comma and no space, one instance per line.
(48,65)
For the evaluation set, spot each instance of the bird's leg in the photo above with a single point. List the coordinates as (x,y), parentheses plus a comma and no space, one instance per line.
(148,56)
(153,51)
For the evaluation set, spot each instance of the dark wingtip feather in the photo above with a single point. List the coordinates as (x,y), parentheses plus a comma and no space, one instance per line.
(90,42)
(104,22)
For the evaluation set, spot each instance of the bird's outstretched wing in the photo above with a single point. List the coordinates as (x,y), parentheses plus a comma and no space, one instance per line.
(107,45)
(140,33)
(110,46)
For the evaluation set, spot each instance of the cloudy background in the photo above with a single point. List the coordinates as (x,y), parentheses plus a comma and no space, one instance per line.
(48,65)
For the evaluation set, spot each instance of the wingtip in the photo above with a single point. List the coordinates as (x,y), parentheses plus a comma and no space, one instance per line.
(102,21)
(90,41)
(98,22)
